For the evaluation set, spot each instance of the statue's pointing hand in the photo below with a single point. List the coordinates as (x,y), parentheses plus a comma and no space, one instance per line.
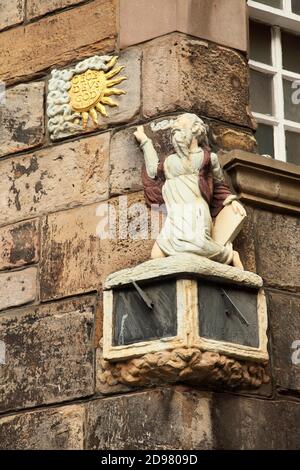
(140,134)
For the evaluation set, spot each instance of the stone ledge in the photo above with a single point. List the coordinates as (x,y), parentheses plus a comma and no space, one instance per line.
(189,264)
(264,182)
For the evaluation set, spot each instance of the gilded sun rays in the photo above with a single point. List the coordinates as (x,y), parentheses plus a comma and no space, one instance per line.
(91,91)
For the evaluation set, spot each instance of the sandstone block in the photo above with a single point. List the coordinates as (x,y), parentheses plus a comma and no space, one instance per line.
(19,244)
(49,429)
(54,178)
(126,161)
(58,40)
(37,8)
(75,260)
(22,118)
(49,354)
(231,138)
(155,419)
(251,424)
(278,250)
(284,312)
(11,13)
(18,288)
(198,76)
(141,20)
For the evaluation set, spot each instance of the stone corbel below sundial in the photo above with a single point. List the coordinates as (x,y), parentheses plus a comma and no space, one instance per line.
(191,313)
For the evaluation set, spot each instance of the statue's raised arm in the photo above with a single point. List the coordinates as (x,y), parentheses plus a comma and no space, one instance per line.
(150,155)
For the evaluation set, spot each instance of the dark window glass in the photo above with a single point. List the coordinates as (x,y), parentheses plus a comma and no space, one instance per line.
(265,139)
(296,7)
(290,51)
(292,140)
(260,43)
(261,92)
(271,3)
(291,101)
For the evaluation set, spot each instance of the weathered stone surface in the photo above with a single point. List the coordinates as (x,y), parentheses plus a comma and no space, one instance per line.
(39,8)
(18,287)
(58,40)
(54,178)
(251,424)
(11,13)
(50,429)
(19,244)
(75,260)
(278,249)
(156,419)
(284,313)
(183,73)
(128,104)
(49,354)
(231,138)
(126,161)
(22,118)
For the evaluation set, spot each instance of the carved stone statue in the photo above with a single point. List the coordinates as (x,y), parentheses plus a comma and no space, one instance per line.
(191,184)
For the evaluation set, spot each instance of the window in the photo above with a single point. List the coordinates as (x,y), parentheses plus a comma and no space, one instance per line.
(275,76)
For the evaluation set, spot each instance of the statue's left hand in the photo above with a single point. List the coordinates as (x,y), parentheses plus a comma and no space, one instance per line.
(238,208)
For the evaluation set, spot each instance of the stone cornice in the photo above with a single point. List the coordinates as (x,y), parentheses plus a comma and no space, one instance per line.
(262,181)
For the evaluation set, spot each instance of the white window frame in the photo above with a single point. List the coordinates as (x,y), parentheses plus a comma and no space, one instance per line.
(278,19)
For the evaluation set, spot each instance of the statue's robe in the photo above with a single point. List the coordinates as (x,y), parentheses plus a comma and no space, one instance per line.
(194,191)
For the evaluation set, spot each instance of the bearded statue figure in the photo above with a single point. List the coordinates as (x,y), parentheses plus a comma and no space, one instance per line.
(190,182)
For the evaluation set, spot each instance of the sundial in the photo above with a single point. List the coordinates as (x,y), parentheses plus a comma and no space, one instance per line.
(184,301)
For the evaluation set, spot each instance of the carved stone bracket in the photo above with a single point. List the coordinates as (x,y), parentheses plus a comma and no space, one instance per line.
(188,365)
(263,182)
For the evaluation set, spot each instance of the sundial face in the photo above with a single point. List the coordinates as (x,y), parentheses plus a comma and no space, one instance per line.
(87,89)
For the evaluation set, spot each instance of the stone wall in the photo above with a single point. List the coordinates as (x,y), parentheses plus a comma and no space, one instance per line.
(52,264)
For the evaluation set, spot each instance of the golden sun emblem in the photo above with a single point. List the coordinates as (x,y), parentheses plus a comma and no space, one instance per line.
(91,91)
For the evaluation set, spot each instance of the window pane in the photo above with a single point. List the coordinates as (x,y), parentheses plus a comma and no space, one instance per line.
(292,147)
(290,52)
(260,42)
(261,92)
(291,101)
(271,3)
(296,7)
(265,140)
